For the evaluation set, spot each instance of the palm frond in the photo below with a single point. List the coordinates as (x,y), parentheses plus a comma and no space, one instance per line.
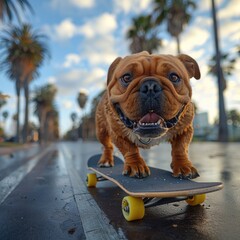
(11,8)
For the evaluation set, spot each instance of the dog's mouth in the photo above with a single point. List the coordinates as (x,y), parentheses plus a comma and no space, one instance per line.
(150,125)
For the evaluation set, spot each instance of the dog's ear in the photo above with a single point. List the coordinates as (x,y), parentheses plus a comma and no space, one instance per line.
(112,68)
(191,66)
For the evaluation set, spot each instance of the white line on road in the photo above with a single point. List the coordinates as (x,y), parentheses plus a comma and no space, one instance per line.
(9,183)
(95,222)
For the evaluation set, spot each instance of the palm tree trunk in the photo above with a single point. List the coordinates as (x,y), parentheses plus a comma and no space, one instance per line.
(25,129)
(18,88)
(178,44)
(42,118)
(223,128)
(45,136)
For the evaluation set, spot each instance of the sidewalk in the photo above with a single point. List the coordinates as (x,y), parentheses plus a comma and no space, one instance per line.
(12,149)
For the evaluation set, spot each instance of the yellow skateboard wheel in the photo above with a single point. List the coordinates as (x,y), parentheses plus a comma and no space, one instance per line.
(91,180)
(133,208)
(196,200)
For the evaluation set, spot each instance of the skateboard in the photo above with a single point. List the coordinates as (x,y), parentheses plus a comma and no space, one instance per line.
(157,189)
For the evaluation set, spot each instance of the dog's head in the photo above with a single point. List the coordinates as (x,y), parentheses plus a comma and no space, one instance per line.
(149,92)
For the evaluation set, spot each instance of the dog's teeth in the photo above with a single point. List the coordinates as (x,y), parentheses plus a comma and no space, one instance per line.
(150,124)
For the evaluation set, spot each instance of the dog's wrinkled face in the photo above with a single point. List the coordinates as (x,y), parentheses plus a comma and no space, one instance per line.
(149,92)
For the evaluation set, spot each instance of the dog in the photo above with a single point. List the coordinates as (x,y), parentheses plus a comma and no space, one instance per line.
(148,100)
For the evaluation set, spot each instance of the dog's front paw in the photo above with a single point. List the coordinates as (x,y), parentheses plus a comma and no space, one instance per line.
(106,161)
(137,169)
(184,170)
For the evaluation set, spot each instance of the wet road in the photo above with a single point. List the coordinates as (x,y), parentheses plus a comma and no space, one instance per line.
(46,197)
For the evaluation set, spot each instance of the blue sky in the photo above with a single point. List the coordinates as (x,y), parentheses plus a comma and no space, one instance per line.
(85,36)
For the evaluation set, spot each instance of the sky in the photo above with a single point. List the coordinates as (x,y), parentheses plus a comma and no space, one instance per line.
(85,36)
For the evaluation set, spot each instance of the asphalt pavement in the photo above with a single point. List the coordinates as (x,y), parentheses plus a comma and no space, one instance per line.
(44,196)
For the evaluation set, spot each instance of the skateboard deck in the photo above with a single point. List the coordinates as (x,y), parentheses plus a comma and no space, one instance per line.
(160,183)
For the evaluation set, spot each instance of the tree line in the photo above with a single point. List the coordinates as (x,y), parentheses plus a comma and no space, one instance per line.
(23,51)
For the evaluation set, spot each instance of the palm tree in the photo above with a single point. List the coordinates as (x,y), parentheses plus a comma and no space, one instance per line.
(143,35)
(2,102)
(73,118)
(234,117)
(82,100)
(43,99)
(5,115)
(51,131)
(176,13)
(222,127)
(24,52)
(8,8)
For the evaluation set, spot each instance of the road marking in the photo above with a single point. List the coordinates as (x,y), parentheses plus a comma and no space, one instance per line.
(95,222)
(9,183)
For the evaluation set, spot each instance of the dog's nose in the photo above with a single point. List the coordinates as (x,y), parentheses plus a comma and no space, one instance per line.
(150,88)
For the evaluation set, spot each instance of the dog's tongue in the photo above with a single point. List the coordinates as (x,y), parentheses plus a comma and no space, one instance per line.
(150,118)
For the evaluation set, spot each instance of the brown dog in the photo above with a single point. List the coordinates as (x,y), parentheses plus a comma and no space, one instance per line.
(148,100)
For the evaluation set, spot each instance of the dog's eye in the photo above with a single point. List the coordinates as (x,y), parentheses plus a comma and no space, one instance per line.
(174,78)
(126,79)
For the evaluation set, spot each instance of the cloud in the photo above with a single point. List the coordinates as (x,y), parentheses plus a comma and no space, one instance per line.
(194,37)
(65,30)
(73,3)
(67,104)
(228,29)
(133,6)
(83,3)
(71,59)
(205,5)
(233,92)
(102,25)
(230,10)
(52,80)
(101,51)
(69,83)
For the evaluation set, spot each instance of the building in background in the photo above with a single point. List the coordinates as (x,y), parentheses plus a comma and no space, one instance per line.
(201,125)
